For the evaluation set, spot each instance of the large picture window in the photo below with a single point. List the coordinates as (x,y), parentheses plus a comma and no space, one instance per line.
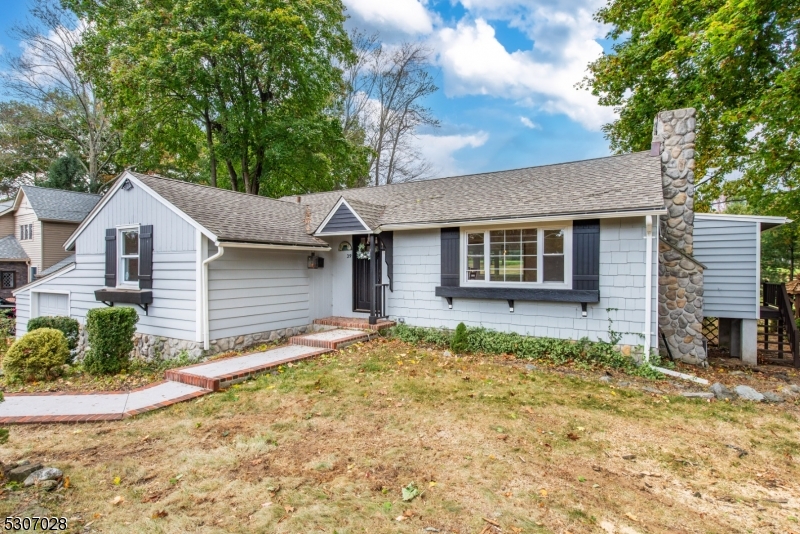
(129,257)
(517,256)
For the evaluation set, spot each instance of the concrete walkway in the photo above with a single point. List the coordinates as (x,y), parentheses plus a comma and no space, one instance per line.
(180,385)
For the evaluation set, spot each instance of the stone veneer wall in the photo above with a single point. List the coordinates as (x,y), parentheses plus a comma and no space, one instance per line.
(149,347)
(680,305)
(680,276)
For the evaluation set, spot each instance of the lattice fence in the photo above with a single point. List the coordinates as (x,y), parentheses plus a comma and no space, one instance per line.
(711,330)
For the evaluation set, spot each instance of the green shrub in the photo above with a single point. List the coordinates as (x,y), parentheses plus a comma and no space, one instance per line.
(459,342)
(110,339)
(68,326)
(36,354)
(556,351)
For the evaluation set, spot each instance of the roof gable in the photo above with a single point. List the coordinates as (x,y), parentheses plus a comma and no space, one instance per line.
(219,214)
(343,219)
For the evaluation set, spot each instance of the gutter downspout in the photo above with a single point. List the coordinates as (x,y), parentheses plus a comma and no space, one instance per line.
(648,291)
(204,289)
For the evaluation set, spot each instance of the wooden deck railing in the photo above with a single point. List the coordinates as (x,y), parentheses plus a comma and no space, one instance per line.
(775,296)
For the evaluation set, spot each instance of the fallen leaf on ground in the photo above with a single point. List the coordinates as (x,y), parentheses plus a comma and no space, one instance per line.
(257,462)
(632,517)
(410,492)
(573,437)
(289,509)
(266,504)
(119,499)
(160,514)
(543,492)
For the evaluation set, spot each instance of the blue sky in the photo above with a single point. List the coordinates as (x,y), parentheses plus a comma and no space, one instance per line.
(506,70)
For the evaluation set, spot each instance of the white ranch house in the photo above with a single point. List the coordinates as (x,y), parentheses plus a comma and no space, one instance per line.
(558,251)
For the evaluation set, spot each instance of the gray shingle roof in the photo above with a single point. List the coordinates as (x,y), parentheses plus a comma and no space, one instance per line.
(57,205)
(628,182)
(10,249)
(69,260)
(369,213)
(235,216)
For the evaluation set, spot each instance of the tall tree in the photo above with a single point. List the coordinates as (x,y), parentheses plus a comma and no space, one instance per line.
(737,62)
(255,80)
(387,87)
(25,153)
(69,116)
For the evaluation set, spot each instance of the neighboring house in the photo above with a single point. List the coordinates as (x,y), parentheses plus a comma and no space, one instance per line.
(33,229)
(566,251)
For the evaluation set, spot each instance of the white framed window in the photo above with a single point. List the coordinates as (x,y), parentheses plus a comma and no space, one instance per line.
(128,269)
(518,256)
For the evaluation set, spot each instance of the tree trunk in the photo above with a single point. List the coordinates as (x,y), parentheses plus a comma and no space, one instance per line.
(211,155)
(232,174)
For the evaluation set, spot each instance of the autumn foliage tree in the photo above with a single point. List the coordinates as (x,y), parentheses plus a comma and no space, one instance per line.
(251,85)
(737,63)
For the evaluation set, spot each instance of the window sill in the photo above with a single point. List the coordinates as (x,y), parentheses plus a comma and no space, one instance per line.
(124,296)
(512,293)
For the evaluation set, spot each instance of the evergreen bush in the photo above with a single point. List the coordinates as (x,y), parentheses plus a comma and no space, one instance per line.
(68,326)
(459,342)
(110,340)
(36,354)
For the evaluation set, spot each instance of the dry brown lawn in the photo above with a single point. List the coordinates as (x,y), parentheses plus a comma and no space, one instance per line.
(327,446)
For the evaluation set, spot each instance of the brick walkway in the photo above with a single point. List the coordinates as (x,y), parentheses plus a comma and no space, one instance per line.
(180,385)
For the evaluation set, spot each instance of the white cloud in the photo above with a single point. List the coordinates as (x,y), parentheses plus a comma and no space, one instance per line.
(526,122)
(473,62)
(406,16)
(440,150)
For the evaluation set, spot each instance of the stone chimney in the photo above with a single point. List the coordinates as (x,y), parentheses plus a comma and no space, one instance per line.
(673,141)
(680,275)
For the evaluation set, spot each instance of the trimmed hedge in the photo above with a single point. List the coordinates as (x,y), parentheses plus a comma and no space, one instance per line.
(556,351)
(110,339)
(36,354)
(68,326)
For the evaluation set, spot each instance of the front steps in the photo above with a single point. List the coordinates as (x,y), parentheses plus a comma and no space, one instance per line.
(220,374)
(355,323)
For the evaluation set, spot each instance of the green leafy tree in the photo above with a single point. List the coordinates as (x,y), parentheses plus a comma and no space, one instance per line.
(25,151)
(68,173)
(252,86)
(736,63)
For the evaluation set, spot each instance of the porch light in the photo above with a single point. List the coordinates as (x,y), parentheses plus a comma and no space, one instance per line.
(583,309)
(315,262)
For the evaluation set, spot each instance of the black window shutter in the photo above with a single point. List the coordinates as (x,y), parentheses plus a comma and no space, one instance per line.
(111,257)
(586,254)
(146,257)
(387,238)
(451,251)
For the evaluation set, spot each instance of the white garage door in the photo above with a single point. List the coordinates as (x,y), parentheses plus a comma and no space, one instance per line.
(53,304)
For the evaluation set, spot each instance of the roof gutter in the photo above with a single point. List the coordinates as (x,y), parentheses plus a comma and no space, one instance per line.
(204,291)
(267,246)
(522,220)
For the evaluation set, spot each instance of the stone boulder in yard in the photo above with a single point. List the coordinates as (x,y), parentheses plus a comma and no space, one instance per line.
(48,473)
(721,392)
(748,393)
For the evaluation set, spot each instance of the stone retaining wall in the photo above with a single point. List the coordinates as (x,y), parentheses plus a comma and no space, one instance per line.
(150,347)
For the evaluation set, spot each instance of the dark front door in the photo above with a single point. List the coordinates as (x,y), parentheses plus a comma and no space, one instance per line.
(362,296)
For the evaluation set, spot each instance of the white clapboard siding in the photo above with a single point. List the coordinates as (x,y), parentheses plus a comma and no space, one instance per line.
(729,250)
(173,311)
(260,290)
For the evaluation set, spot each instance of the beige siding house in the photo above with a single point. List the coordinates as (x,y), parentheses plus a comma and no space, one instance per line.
(33,229)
